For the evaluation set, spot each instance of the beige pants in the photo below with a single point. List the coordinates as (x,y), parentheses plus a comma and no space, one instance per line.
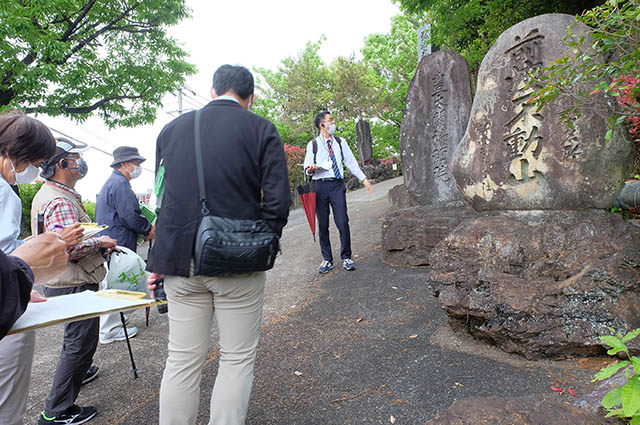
(16,357)
(237,304)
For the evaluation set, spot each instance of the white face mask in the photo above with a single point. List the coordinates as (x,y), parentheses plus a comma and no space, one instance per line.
(27,175)
(331,129)
(137,170)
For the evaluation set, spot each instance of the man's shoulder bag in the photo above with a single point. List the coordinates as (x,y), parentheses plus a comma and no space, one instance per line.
(228,246)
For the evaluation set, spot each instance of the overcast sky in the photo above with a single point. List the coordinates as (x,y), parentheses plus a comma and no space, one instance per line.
(252,33)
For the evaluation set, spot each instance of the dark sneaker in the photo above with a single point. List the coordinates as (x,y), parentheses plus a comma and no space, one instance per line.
(92,374)
(325,267)
(73,415)
(348,264)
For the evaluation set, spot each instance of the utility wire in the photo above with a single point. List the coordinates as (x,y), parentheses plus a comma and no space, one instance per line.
(196,94)
(92,147)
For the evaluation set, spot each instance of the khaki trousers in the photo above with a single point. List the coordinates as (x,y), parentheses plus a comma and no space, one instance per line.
(236,302)
(16,357)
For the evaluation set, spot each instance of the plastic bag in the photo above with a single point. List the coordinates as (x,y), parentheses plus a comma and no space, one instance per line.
(127,271)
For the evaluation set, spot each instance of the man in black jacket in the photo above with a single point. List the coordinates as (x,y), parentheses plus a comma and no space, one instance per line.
(245,178)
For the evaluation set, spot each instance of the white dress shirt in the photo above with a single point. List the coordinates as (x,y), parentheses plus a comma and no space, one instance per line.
(323,160)
(10,218)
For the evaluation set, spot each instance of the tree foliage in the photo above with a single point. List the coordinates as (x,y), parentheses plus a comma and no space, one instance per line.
(394,58)
(607,62)
(27,193)
(354,88)
(299,89)
(74,57)
(373,89)
(471,27)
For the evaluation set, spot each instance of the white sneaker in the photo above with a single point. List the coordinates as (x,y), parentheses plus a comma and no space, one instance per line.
(119,335)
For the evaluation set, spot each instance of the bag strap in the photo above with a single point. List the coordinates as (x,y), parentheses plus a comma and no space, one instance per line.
(198,152)
(315,149)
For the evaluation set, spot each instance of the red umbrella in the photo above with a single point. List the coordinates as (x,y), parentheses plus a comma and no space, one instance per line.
(308,197)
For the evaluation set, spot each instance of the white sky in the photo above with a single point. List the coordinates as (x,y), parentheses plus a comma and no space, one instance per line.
(252,33)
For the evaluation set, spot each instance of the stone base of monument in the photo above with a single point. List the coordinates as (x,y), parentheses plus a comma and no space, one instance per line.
(399,197)
(409,234)
(541,283)
(536,409)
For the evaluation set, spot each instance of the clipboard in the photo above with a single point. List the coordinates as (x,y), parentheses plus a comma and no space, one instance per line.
(79,306)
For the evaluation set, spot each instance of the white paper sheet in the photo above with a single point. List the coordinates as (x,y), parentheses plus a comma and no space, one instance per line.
(73,307)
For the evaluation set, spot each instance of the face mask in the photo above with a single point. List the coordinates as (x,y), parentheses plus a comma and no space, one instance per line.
(331,129)
(27,175)
(137,170)
(82,167)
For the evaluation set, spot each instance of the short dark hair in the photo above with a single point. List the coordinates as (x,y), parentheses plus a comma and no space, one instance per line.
(235,78)
(25,139)
(320,117)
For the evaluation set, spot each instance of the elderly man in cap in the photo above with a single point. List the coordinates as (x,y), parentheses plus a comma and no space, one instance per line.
(118,208)
(61,205)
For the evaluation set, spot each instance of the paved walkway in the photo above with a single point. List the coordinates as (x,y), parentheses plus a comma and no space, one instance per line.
(346,348)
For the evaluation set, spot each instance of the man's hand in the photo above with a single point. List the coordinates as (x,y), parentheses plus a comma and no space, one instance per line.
(36,297)
(368,185)
(107,243)
(46,254)
(151,282)
(311,168)
(71,234)
(152,233)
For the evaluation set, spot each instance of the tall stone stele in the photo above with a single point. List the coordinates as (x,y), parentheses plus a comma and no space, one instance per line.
(363,139)
(436,115)
(543,270)
(429,205)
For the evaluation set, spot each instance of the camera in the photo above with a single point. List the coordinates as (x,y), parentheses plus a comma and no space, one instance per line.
(160,295)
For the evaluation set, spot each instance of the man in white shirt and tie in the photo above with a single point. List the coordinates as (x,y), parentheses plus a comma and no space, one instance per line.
(324,161)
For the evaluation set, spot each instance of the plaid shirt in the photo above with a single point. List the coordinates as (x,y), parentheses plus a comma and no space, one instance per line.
(61,213)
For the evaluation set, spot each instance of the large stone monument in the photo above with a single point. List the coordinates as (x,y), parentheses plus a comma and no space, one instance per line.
(514,157)
(436,114)
(543,270)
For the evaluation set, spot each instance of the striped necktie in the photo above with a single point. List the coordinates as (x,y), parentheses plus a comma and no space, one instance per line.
(334,163)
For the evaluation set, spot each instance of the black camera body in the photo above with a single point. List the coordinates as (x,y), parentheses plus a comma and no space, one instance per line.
(160,295)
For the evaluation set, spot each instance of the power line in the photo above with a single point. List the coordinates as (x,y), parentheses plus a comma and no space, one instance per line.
(91,146)
(193,100)
(196,94)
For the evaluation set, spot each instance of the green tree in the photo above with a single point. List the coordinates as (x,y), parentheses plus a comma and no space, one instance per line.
(471,27)
(373,89)
(353,88)
(74,57)
(393,58)
(300,88)
(27,192)
(577,78)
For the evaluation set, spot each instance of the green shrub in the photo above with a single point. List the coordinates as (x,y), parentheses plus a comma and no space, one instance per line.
(623,401)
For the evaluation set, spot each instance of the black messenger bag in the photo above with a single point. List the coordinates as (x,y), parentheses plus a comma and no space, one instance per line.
(228,246)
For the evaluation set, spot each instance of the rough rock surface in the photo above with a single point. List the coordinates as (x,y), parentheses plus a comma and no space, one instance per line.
(399,197)
(513,157)
(542,283)
(436,115)
(629,197)
(532,410)
(409,234)
(375,172)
